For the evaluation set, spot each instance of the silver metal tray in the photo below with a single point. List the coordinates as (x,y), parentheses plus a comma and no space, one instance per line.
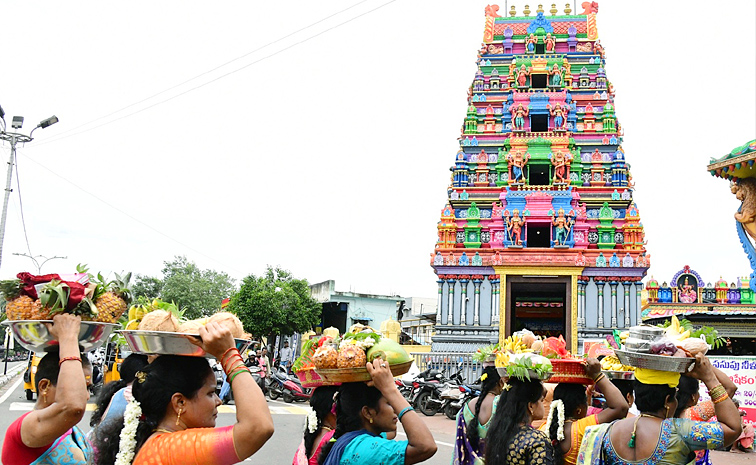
(655,362)
(626,375)
(168,343)
(33,334)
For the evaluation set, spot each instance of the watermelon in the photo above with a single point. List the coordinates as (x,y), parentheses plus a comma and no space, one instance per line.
(388,350)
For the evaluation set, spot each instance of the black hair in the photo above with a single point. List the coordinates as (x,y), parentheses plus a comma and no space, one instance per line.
(625,386)
(49,368)
(165,376)
(651,397)
(687,388)
(572,396)
(349,402)
(129,367)
(487,385)
(510,412)
(321,402)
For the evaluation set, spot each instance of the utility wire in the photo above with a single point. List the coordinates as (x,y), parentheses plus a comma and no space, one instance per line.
(21,205)
(61,137)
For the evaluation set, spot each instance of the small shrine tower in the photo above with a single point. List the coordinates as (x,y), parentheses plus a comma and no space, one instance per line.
(540,229)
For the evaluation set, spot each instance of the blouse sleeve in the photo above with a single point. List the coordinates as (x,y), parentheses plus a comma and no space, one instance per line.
(374,450)
(200,446)
(702,411)
(700,435)
(540,451)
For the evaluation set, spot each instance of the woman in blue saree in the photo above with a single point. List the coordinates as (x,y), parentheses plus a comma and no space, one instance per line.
(48,434)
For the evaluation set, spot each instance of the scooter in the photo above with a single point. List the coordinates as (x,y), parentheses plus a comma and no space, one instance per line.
(286,386)
(457,400)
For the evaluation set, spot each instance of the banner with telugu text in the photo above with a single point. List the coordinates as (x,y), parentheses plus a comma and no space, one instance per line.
(742,371)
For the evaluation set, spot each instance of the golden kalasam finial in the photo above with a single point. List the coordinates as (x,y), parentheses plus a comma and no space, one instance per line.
(526,11)
(553,9)
(540,8)
(512,11)
(567,9)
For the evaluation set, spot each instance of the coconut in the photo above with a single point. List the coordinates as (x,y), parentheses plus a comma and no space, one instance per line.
(537,345)
(528,340)
(192,326)
(695,345)
(230,321)
(159,320)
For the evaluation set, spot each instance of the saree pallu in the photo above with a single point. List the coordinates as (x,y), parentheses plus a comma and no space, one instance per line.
(70,449)
(197,446)
(466,453)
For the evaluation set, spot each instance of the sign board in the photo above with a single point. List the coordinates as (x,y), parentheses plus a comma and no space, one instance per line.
(742,371)
(596,348)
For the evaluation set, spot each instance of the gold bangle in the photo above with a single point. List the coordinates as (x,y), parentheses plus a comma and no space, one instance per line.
(721,399)
(599,378)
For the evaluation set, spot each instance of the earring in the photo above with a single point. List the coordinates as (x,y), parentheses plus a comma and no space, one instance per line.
(371,421)
(178,417)
(666,411)
(44,396)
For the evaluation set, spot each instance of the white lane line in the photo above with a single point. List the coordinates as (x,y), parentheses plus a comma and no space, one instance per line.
(11,390)
(437,442)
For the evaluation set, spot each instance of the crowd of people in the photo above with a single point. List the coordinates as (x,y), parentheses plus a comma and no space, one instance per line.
(163,412)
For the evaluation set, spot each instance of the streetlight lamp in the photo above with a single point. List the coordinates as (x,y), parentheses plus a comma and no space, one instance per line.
(14,138)
(36,262)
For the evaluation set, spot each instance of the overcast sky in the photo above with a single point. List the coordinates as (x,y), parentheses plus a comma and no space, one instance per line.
(318,135)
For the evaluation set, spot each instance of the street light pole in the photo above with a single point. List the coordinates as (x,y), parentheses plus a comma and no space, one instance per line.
(36,262)
(14,138)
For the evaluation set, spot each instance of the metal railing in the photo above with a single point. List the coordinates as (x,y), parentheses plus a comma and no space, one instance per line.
(448,363)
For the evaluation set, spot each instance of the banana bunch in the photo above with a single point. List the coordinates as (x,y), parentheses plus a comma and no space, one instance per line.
(136,313)
(502,359)
(514,345)
(623,336)
(612,363)
(676,332)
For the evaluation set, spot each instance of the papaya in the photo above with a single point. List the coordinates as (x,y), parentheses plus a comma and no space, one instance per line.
(388,350)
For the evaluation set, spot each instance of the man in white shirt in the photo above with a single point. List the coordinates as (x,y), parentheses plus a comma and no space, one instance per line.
(286,356)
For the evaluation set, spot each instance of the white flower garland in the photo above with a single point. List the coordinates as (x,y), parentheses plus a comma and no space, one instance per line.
(559,406)
(364,345)
(127,444)
(311,422)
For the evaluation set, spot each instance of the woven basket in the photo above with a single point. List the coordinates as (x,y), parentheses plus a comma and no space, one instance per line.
(655,362)
(310,379)
(569,371)
(355,375)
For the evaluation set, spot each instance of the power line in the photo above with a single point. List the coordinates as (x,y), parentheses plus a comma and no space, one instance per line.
(21,206)
(55,139)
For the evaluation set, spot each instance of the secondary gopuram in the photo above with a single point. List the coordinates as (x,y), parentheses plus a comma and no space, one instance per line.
(540,229)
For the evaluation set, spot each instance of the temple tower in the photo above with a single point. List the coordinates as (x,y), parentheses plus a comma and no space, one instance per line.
(540,229)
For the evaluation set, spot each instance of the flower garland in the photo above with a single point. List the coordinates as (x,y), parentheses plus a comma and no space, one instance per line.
(559,406)
(311,422)
(127,444)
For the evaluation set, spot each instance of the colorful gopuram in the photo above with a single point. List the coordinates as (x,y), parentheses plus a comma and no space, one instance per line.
(540,229)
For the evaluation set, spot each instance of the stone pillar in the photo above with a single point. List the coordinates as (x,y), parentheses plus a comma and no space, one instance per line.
(439,302)
(600,288)
(613,285)
(463,280)
(450,280)
(626,287)
(476,315)
(581,302)
(495,301)
(638,289)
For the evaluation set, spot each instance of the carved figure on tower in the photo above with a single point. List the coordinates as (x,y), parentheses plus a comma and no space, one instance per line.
(563,226)
(598,49)
(514,227)
(522,76)
(556,76)
(550,42)
(518,116)
(517,161)
(745,191)
(561,164)
(530,43)
(560,115)
(687,294)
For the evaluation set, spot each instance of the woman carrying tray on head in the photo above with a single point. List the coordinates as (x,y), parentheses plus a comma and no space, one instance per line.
(655,437)
(567,420)
(474,418)
(320,425)
(364,413)
(48,434)
(171,420)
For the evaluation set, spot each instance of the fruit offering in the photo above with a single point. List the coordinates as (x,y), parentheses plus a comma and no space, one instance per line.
(31,297)
(352,350)
(612,363)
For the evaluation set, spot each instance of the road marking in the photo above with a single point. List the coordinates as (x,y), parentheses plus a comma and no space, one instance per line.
(286,410)
(11,390)
(437,442)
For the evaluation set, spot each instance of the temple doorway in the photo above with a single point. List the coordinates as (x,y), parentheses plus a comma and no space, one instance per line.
(540,304)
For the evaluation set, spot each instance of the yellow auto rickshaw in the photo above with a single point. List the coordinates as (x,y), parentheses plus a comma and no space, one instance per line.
(30,385)
(112,366)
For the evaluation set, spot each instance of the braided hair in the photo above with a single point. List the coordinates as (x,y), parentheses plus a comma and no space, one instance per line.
(321,402)
(489,380)
(349,402)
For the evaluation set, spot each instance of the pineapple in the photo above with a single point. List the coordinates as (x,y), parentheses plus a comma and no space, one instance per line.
(19,306)
(54,299)
(113,302)
(351,356)
(326,357)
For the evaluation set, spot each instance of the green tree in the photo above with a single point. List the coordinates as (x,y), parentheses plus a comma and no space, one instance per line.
(275,303)
(198,292)
(146,286)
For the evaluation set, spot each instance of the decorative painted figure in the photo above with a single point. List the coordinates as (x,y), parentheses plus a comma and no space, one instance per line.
(745,191)
(514,227)
(556,76)
(550,42)
(687,294)
(559,113)
(530,43)
(561,168)
(522,76)
(598,49)
(563,227)
(518,116)
(517,161)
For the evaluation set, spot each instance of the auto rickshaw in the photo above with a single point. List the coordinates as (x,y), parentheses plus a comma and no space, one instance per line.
(30,385)
(112,366)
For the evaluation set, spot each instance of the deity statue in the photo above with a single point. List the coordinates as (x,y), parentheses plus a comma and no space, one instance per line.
(559,113)
(517,161)
(522,76)
(518,116)
(598,49)
(561,168)
(687,294)
(530,43)
(556,76)
(514,227)
(745,191)
(563,226)
(550,42)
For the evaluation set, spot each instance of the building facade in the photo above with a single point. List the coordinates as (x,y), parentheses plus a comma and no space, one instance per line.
(540,229)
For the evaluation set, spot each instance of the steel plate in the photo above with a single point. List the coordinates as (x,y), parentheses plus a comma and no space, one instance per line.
(168,343)
(33,334)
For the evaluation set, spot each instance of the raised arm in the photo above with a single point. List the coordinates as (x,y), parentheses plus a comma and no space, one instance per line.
(43,426)
(254,425)
(421,445)
(616,406)
(727,383)
(727,412)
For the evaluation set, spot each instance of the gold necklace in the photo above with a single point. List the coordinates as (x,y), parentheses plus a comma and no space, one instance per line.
(163,430)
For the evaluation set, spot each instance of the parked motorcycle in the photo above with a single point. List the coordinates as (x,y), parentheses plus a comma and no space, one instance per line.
(428,399)
(287,386)
(457,398)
